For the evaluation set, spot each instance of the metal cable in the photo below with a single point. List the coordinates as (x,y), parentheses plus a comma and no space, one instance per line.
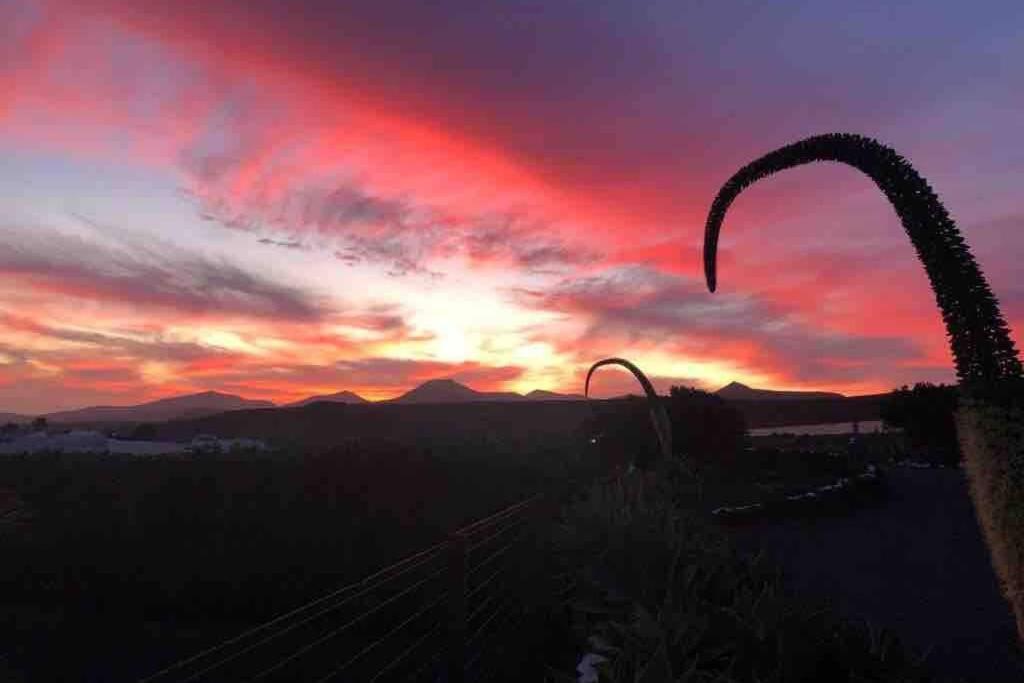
(479,657)
(362,653)
(516,524)
(476,526)
(483,584)
(494,556)
(362,587)
(405,653)
(486,603)
(482,627)
(344,627)
(292,627)
(295,612)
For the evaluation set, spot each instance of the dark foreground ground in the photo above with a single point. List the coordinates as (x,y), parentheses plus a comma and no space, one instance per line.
(915,563)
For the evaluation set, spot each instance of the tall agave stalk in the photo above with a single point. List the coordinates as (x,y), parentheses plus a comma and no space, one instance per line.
(990,418)
(659,416)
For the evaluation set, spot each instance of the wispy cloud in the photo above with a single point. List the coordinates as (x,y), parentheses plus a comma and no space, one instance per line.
(284,244)
(637,305)
(145,274)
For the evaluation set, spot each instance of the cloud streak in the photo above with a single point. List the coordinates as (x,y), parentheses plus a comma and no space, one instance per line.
(147,275)
(640,306)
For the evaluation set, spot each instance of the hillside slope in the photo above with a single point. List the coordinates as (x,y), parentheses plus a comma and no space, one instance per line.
(735,391)
(191,405)
(337,397)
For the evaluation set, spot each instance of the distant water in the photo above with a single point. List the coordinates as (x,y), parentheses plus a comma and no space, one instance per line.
(866,427)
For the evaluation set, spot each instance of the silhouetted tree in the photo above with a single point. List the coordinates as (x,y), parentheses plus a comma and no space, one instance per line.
(925,413)
(39,424)
(989,424)
(706,426)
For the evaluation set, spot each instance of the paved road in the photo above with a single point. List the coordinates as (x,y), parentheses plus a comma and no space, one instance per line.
(915,563)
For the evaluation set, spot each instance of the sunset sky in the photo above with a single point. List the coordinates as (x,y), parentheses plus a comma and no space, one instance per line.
(279,198)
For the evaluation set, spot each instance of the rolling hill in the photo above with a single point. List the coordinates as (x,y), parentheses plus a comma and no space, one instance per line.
(212,402)
(543,395)
(735,391)
(769,408)
(190,405)
(338,397)
(450,391)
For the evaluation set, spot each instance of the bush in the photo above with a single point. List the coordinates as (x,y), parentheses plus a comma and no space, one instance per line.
(925,414)
(705,426)
(622,433)
(665,598)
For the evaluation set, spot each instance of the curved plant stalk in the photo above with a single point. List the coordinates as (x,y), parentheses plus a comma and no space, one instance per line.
(977,332)
(990,418)
(659,416)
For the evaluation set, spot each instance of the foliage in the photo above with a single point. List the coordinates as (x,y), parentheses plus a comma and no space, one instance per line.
(703,427)
(704,424)
(622,434)
(665,598)
(659,419)
(769,475)
(925,414)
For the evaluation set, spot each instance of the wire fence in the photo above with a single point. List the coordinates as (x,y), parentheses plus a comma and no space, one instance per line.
(434,616)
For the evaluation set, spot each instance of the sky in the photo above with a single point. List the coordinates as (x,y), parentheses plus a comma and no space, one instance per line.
(277,198)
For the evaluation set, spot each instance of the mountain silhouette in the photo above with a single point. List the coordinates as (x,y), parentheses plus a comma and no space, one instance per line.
(735,391)
(190,405)
(544,395)
(211,402)
(338,397)
(450,391)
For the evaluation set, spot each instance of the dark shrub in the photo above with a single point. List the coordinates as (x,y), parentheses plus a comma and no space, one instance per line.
(925,414)
(705,427)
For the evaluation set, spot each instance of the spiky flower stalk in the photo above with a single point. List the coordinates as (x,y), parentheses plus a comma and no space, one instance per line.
(659,417)
(977,332)
(990,419)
